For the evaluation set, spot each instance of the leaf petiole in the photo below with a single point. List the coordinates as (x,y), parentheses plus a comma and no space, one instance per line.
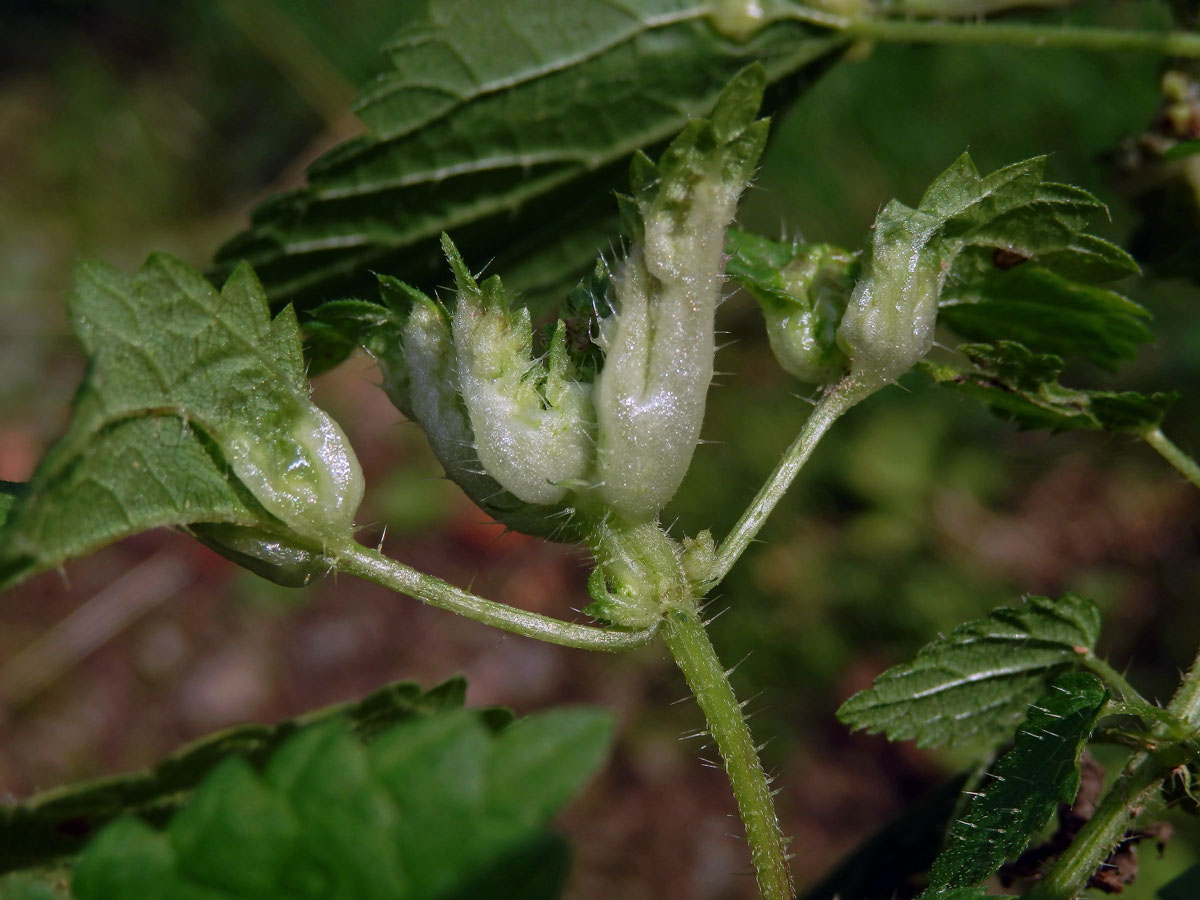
(1170,451)
(824,414)
(1166,43)
(373,566)
(1115,680)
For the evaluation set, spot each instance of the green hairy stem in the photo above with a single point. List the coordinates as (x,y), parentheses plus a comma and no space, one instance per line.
(643,569)
(373,566)
(1169,450)
(824,414)
(1140,778)
(684,634)
(1108,40)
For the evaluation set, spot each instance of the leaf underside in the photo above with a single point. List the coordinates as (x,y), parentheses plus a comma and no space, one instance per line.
(979,679)
(433,808)
(1024,788)
(492,122)
(172,364)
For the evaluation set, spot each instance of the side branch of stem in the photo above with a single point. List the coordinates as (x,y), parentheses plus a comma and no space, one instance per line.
(373,566)
(1163,43)
(823,415)
(1139,779)
(1171,452)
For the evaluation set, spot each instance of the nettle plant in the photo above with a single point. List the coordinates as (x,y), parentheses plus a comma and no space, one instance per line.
(195,413)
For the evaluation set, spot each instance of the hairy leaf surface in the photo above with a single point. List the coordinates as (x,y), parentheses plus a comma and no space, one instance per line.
(435,807)
(1021,385)
(1023,286)
(508,125)
(923,263)
(980,678)
(58,821)
(190,395)
(1025,788)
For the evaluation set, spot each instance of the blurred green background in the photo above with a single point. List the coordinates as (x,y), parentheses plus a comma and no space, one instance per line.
(128,126)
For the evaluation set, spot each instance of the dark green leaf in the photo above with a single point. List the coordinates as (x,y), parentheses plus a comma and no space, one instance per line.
(9,492)
(186,387)
(1182,149)
(980,678)
(1047,312)
(1019,264)
(1021,385)
(536,763)
(534,870)
(886,863)
(507,124)
(1025,788)
(1020,273)
(236,835)
(58,821)
(969,893)
(130,859)
(427,812)
(1183,887)
(337,328)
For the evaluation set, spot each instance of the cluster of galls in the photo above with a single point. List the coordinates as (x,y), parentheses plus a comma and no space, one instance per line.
(589,439)
(556,443)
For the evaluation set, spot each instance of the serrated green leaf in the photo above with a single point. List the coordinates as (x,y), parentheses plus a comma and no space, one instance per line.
(1182,887)
(1044,310)
(979,679)
(437,767)
(58,821)
(1025,788)
(1001,257)
(195,409)
(130,859)
(1019,284)
(421,814)
(236,835)
(536,763)
(1182,149)
(886,863)
(1023,386)
(492,122)
(537,869)
(1020,264)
